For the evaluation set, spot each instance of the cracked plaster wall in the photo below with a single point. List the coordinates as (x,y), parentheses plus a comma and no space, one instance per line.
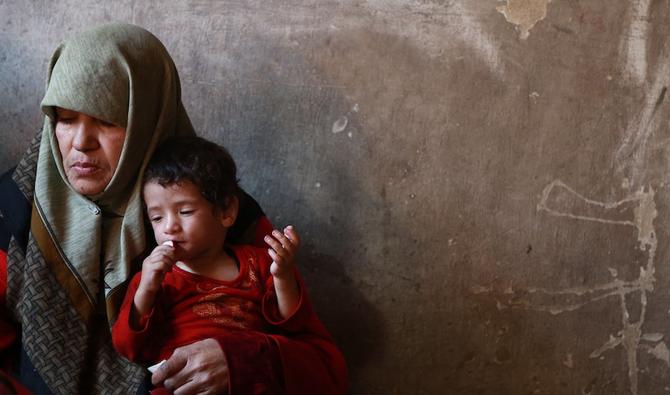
(482,186)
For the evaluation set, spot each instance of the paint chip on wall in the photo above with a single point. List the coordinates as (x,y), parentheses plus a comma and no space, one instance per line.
(524,13)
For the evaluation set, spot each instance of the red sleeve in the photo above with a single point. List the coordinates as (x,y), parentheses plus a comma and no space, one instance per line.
(301,363)
(7,330)
(312,363)
(298,321)
(134,344)
(301,358)
(254,363)
(8,336)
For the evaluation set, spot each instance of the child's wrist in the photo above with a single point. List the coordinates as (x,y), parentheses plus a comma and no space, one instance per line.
(143,301)
(285,281)
(284,275)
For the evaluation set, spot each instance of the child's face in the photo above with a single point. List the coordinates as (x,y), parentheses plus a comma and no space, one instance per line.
(178,212)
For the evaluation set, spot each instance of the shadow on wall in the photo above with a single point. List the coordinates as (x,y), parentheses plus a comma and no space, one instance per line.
(355,323)
(279,128)
(331,246)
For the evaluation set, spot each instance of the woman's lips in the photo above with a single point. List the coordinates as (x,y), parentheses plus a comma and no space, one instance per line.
(84,168)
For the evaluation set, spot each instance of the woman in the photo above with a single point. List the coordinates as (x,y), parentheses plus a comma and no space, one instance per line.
(72,234)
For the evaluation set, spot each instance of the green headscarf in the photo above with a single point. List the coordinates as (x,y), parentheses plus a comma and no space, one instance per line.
(121,74)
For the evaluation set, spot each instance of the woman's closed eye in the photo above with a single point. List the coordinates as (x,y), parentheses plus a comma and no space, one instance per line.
(65,121)
(106,124)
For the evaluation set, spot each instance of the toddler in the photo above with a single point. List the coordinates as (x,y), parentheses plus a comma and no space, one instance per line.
(194,285)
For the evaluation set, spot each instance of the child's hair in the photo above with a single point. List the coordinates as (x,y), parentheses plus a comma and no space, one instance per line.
(207,165)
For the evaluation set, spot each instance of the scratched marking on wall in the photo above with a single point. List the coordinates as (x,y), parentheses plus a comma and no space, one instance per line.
(632,154)
(634,44)
(637,210)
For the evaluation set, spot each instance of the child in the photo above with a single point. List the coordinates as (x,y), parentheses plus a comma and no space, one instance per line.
(193,285)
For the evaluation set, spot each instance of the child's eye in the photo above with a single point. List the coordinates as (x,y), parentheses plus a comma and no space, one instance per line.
(155,219)
(186,212)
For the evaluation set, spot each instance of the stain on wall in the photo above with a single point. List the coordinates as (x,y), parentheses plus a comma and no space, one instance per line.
(524,13)
(482,186)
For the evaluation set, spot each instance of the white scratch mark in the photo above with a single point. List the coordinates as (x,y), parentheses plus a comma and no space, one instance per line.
(340,124)
(633,150)
(559,200)
(478,289)
(661,352)
(644,214)
(613,272)
(652,337)
(635,42)
(631,156)
(611,344)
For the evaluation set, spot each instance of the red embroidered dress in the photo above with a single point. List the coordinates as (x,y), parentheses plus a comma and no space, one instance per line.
(191,307)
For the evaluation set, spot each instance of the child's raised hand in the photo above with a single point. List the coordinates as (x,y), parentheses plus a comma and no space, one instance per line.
(283,248)
(154,268)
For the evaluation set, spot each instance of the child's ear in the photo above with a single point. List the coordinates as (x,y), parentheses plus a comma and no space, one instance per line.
(229,215)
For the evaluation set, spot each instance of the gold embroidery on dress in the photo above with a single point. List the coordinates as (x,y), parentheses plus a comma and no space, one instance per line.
(228,310)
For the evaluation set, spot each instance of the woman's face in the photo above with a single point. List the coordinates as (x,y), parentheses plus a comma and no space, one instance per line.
(90,149)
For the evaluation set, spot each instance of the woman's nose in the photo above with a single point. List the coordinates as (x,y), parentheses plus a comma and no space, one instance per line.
(85,138)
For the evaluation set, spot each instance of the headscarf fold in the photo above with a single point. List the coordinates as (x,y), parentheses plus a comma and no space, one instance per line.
(121,74)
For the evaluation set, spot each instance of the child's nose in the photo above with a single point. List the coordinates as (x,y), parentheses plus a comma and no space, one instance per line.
(172,225)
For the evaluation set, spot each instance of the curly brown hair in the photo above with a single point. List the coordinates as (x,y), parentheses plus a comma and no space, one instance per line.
(206,164)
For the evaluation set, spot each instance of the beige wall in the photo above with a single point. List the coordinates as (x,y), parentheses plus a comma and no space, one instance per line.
(482,192)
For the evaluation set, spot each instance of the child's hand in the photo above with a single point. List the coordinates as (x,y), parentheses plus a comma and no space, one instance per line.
(154,268)
(283,250)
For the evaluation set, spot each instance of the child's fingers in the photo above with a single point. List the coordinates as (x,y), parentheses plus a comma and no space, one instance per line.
(162,251)
(279,260)
(285,241)
(292,235)
(272,242)
(276,246)
(160,259)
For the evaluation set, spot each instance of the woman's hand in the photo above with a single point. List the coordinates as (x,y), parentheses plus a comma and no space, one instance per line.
(197,368)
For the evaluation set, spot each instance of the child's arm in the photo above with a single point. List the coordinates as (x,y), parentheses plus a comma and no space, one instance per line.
(283,250)
(154,268)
